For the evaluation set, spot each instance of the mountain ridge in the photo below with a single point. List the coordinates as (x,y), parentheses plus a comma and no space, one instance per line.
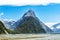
(26,19)
(29,23)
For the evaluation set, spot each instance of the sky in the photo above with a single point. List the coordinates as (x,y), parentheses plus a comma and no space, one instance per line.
(48,11)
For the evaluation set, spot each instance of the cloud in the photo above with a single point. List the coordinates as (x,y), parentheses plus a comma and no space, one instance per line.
(7,19)
(10,19)
(50,24)
(27,2)
(1,14)
(58,27)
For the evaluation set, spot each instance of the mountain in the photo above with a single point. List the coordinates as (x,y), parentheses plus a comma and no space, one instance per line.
(29,23)
(56,28)
(8,24)
(29,13)
(3,29)
(20,21)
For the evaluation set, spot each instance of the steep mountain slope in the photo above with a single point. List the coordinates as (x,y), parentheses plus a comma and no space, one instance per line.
(30,24)
(20,21)
(3,30)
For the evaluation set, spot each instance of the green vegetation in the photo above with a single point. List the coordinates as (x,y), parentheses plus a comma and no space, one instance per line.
(2,28)
(30,25)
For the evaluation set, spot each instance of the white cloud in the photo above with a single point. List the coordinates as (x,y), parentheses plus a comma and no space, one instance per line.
(5,19)
(50,24)
(27,2)
(1,14)
(8,19)
(58,27)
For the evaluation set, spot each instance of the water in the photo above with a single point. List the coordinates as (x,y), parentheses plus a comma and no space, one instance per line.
(30,37)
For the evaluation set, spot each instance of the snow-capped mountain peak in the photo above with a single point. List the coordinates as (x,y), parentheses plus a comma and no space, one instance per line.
(29,13)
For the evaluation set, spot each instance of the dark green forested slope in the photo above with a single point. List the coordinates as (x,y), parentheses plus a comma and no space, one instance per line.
(30,25)
(2,28)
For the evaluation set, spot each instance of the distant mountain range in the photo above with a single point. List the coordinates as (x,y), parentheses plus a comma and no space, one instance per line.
(8,24)
(56,28)
(29,23)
